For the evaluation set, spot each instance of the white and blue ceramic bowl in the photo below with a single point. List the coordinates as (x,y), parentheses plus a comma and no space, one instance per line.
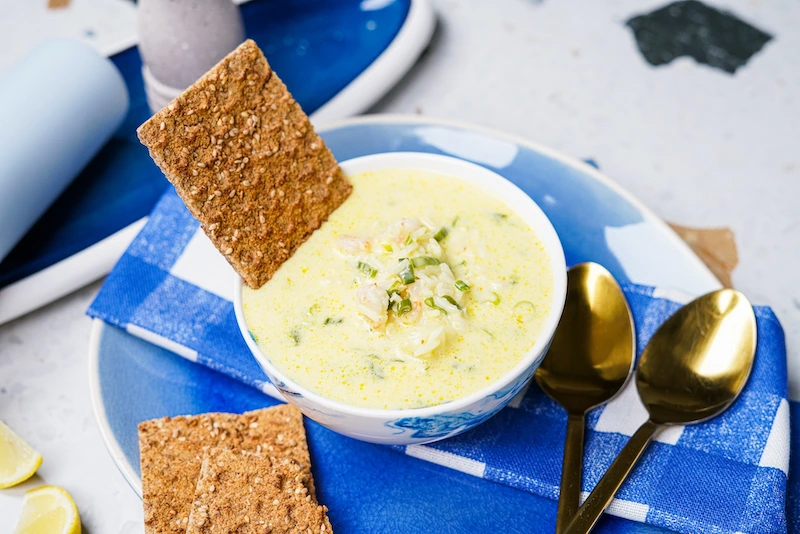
(423,425)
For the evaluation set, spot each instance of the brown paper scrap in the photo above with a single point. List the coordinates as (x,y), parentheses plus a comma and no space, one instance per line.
(716,248)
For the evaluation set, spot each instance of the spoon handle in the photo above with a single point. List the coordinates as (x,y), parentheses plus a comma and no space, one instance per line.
(601,495)
(571,470)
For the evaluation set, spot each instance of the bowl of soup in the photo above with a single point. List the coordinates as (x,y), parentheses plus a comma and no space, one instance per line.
(419,309)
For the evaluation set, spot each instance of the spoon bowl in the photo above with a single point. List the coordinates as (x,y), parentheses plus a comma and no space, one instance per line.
(592,352)
(699,360)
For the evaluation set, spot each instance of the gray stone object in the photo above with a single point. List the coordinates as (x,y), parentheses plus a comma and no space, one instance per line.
(181,39)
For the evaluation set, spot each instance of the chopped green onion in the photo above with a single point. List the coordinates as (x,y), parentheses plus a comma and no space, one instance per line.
(409,240)
(295,335)
(461,366)
(461,285)
(404,307)
(396,287)
(422,261)
(387,247)
(376,370)
(441,234)
(407,274)
(490,334)
(499,217)
(452,301)
(453,224)
(513,279)
(367,269)
(331,320)
(390,292)
(495,300)
(429,302)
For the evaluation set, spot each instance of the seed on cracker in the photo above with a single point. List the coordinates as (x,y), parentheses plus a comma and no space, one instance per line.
(171,451)
(251,493)
(247,163)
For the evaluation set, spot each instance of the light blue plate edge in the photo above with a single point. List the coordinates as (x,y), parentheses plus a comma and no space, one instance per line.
(684,271)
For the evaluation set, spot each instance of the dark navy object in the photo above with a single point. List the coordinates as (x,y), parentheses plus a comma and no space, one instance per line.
(690,28)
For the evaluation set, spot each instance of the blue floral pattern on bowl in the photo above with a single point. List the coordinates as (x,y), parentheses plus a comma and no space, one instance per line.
(440,426)
(445,425)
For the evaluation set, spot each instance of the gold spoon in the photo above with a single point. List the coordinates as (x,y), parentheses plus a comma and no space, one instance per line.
(694,367)
(589,360)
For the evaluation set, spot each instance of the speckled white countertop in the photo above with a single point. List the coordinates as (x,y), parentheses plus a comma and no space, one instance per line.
(699,146)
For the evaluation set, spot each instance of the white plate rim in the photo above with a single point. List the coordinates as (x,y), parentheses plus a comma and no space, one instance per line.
(99,410)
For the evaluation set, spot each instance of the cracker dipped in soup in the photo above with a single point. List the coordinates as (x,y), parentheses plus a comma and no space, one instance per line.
(419,289)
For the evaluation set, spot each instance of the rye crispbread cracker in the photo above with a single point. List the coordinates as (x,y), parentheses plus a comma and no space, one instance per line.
(251,493)
(247,163)
(171,451)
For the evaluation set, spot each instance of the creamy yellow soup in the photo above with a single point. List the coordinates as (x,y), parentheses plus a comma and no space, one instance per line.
(420,289)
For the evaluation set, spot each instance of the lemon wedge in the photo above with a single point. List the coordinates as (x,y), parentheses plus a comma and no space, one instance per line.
(48,510)
(18,460)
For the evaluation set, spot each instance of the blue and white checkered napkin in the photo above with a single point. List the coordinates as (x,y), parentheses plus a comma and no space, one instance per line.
(728,475)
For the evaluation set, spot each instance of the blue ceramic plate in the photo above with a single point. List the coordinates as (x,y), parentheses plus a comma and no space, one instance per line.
(337,57)
(370,488)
